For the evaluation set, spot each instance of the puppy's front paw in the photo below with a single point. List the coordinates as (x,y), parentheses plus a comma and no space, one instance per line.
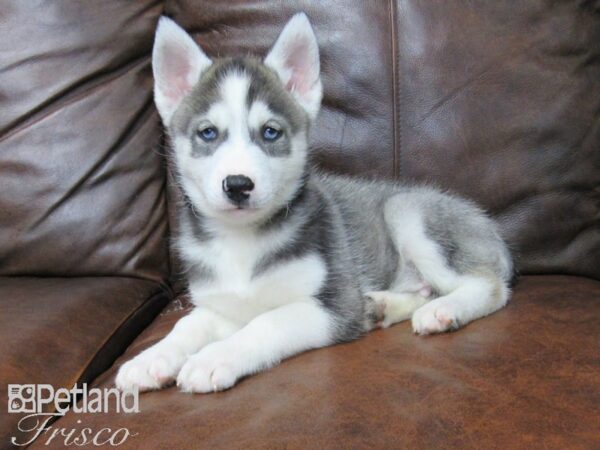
(434,318)
(154,368)
(214,368)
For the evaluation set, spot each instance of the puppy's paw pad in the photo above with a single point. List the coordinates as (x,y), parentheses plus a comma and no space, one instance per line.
(163,370)
(446,318)
(207,371)
(149,370)
(433,319)
(425,290)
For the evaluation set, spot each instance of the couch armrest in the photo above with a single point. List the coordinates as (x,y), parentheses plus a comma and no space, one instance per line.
(62,331)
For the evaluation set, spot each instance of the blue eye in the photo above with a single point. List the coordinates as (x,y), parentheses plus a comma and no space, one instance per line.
(208,134)
(271,134)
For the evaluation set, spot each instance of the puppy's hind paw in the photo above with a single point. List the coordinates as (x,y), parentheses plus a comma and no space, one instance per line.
(375,309)
(434,318)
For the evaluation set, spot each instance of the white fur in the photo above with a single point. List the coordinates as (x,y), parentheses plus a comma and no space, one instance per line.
(462,298)
(243,321)
(275,312)
(409,235)
(475,297)
(259,114)
(160,364)
(233,291)
(396,306)
(274,178)
(265,341)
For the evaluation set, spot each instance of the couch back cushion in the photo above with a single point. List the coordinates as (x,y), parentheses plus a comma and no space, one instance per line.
(81,177)
(497,101)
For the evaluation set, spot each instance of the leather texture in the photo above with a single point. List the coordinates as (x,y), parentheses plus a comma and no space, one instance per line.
(524,377)
(82,185)
(498,101)
(60,331)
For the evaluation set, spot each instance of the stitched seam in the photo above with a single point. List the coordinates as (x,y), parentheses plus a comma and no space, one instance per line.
(395,90)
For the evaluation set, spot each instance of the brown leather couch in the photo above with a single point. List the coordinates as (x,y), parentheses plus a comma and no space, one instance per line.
(496,100)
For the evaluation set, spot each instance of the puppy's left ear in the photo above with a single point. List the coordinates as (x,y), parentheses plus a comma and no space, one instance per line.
(295,59)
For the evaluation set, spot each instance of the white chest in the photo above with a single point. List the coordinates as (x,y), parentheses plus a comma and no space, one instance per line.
(234,291)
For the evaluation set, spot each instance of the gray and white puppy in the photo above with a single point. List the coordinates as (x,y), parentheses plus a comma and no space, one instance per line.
(280,257)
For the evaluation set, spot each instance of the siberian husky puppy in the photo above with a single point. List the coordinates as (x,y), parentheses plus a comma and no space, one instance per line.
(280,257)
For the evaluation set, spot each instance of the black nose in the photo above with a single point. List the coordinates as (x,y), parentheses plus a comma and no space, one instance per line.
(236,187)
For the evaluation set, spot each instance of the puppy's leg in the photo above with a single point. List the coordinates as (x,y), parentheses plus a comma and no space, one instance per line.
(262,343)
(475,297)
(158,365)
(391,307)
(463,298)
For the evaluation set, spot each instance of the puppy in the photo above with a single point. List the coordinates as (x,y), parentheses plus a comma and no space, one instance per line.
(280,257)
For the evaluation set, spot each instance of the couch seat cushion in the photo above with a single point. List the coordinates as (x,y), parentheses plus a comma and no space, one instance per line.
(527,376)
(60,331)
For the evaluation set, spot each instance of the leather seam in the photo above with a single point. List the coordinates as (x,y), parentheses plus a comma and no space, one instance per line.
(161,292)
(395,90)
(79,377)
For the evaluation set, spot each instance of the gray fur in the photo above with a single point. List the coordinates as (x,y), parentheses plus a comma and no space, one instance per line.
(279,147)
(343,220)
(469,244)
(307,259)
(191,221)
(264,86)
(344,223)
(202,148)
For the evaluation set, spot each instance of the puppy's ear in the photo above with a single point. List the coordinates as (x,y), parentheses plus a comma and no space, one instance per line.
(295,59)
(177,63)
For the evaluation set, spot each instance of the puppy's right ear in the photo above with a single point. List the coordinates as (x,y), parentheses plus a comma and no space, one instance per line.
(177,63)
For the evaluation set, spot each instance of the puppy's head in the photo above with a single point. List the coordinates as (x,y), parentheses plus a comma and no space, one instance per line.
(238,127)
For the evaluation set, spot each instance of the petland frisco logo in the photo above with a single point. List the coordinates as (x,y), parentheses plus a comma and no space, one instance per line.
(34,399)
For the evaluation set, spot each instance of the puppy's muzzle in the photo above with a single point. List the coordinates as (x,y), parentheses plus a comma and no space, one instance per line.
(237,188)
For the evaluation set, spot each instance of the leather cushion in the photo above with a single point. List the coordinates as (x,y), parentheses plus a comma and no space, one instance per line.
(525,376)
(497,101)
(81,175)
(500,101)
(60,331)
